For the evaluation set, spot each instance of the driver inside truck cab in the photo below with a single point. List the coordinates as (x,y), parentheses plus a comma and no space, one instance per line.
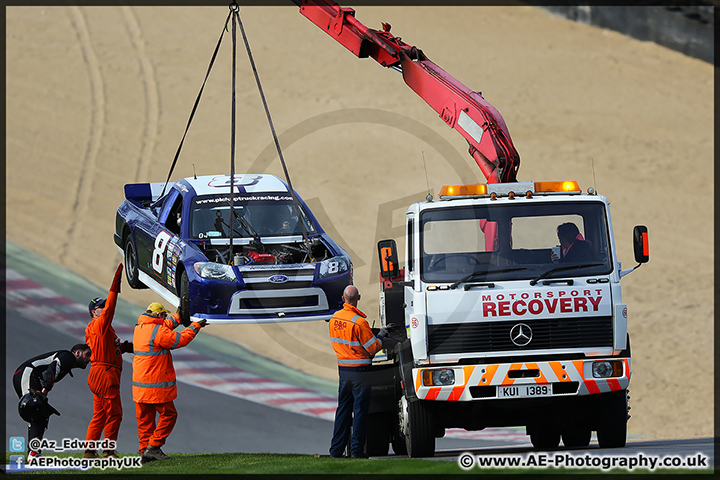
(573,246)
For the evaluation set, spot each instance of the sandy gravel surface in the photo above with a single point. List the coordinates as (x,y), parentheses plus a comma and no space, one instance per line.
(98,97)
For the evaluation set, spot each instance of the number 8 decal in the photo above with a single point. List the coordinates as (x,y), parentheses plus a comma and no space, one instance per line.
(161,243)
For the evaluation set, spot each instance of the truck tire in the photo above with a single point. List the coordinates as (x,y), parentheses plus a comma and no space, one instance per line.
(544,437)
(131,264)
(396,439)
(420,436)
(377,441)
(612,432)
(184,299)
(575,436)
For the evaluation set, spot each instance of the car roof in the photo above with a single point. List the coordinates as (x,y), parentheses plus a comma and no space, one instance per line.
(244,183)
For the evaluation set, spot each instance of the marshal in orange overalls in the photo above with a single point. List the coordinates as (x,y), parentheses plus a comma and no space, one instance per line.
(105,366)
(154,384)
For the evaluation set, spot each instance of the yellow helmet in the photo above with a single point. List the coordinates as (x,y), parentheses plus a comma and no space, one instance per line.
(156,309)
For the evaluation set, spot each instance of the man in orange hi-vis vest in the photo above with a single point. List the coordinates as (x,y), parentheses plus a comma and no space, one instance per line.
(105,368)
(154,384)
(355,345)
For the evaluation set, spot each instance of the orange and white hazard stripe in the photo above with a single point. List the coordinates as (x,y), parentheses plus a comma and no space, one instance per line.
(507,374)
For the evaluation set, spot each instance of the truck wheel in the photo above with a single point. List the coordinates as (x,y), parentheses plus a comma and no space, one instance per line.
(574,436)
(131,264)
(377,441)
(420,434)
(612,432)
(184,299)
(396,439)
(544,437)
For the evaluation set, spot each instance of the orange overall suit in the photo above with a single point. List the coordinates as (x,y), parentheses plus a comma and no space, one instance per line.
(154,385)
(105,366)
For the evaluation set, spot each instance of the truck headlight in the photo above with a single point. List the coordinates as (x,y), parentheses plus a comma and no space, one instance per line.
(607,369)
(333,266)
(216,271)
(442,376)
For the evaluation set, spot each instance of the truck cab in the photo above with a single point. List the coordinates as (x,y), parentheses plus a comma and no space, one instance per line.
(512,305)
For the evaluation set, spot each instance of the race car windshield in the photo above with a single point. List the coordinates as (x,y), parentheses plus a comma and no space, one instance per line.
(266,215)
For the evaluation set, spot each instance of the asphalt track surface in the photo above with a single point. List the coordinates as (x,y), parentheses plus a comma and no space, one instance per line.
(207,421)
(215,422)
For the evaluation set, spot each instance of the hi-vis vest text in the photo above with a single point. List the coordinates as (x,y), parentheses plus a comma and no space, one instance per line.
(352,339)
(153,371)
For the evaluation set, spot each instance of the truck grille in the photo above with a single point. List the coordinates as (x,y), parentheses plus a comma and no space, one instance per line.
(495,336)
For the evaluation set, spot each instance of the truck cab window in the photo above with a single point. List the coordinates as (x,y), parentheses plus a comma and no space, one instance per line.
(460,241)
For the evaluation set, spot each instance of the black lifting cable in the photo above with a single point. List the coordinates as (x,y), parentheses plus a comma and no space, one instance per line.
(236,17)
(197,101)
(234,8)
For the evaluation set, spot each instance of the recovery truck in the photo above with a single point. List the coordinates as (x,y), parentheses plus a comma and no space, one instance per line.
(504,323)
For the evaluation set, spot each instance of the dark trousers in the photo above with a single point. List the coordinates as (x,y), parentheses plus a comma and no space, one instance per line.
(352,410)
(37,428)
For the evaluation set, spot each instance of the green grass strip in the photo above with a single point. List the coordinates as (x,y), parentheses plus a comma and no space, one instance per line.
(284,464)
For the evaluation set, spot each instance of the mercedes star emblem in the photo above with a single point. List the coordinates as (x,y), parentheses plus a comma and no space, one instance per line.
(521,334)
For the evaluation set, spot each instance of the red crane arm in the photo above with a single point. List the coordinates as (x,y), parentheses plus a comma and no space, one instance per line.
(461,108)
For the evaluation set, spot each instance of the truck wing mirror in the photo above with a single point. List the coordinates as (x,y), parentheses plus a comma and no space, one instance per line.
(387,253)
(640,244)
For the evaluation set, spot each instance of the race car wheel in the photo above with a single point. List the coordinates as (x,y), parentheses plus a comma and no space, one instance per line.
(131,264)
(184,299)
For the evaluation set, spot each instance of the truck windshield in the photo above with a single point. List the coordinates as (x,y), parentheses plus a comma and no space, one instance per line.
(268,215)
(459,241)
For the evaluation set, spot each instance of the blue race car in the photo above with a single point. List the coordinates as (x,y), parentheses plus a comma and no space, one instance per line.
(249,263)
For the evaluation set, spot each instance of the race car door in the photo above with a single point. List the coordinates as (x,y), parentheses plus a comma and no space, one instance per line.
(161,249)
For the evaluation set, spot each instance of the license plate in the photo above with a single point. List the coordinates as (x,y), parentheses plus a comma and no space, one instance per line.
(523,391)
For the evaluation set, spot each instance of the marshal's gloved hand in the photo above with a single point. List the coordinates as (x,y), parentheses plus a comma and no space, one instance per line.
(116,281)
(386,329)
(390,335)
(201,322)
(383,332)
(126,347)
